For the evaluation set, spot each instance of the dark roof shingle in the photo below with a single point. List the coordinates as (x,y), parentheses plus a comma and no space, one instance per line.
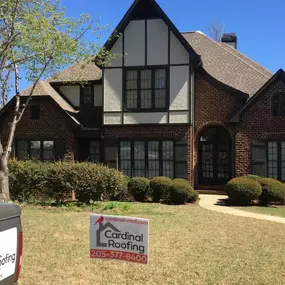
(227,64)
(79,71)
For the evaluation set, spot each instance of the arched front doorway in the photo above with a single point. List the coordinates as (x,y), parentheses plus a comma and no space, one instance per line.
(214,156)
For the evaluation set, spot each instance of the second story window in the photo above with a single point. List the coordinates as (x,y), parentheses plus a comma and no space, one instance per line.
(278,104)
(35,112)
(87,95)
(146,89)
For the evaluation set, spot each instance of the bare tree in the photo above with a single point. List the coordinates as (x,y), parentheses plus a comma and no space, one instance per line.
(216,30)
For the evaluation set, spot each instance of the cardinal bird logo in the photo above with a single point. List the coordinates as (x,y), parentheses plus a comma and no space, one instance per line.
(100,220)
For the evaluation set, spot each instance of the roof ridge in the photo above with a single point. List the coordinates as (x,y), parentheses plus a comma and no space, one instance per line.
(232,53)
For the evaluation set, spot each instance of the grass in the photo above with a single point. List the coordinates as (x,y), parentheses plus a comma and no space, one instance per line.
(272,211)
(188,245)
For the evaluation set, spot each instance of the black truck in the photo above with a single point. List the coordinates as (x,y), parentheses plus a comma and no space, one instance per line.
(11,243)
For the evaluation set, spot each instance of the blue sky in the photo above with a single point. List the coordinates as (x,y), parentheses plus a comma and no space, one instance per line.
(258,24)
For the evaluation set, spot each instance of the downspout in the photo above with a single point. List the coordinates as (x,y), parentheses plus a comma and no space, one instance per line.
(192,98)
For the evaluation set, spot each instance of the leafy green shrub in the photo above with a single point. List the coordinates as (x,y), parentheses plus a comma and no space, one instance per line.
(30,180)
(243,190)
(27,180)
(272,191)
(139,188)
(181,180)
(180,193)
(194,196)
(160,188)
(253,177)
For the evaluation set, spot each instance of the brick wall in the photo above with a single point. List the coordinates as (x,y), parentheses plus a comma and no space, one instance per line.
(177,132)
(258,123)
(213,105)
(51,125)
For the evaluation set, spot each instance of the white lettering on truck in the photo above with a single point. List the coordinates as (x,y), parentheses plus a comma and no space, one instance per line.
(8,252)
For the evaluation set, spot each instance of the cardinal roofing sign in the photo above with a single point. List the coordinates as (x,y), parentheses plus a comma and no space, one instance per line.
(117,237)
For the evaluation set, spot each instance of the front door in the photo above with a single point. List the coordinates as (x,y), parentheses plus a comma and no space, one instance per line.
(214,156)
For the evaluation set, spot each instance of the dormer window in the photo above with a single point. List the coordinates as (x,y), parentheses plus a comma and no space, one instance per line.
(278,104)
(87,95)
(146,89)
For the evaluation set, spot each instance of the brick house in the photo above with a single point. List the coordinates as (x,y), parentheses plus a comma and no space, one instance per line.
(174,104)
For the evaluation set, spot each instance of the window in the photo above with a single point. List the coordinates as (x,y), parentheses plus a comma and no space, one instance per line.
(94,151)
(147,158)
(35,112)
(87,94)
(278,104)
(35,149)
(272,159)
(276,160)
(48,151)
(146,89)
(22,150)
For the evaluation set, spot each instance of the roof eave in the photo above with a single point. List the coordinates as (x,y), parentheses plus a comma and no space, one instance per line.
(236,117)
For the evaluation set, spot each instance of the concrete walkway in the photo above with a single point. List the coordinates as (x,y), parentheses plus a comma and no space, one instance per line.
(216,203)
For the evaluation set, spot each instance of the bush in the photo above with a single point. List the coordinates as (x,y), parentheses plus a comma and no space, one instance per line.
(160,188)
(180,193)
(253,177)
(194,196)
(272,191)
(181,180)
(30,180)
(243,190)
(139,188)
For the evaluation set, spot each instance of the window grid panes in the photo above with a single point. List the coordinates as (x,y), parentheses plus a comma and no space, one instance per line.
(35,149)
(94,151)
(146,89)
(23,149)
(160,88)
(283,161)
(147,158)
(139,159)
(48,150)
(125,158)
(272,159)
(153,159)
(132,89)
(87,95)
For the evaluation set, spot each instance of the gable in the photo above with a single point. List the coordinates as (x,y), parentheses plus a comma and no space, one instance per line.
(275,84)
(149,10)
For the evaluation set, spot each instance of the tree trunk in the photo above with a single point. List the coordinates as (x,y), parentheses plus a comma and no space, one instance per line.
(4,180)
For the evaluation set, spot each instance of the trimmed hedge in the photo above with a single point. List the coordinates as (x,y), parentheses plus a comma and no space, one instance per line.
(139,188)
(30,180)
(194,196)
(243,190)
(180,193)
(253,177)
(181,180)
(160,188)
(272,191)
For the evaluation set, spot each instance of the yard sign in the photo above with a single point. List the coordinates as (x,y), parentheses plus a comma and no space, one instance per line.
(117,237)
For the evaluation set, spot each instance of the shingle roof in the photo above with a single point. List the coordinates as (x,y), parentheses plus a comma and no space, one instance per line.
(79,71)
(220,60)
(43,88)
(228,65)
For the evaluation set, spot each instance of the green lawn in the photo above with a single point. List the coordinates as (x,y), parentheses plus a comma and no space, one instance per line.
(265,210)
(188,245)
